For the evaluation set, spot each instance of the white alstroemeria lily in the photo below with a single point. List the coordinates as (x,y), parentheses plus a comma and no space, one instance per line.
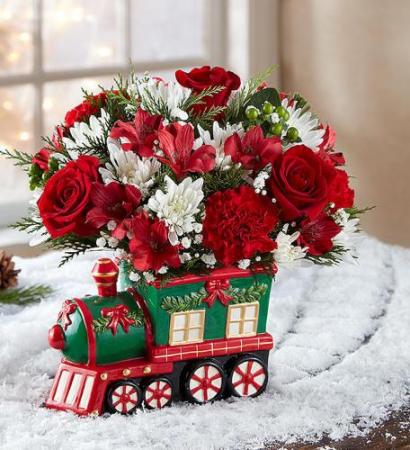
(170,95)
(348,237)
(219,136)
(129,168)
(306,124)
(287,254)
(81,133)
(178,206)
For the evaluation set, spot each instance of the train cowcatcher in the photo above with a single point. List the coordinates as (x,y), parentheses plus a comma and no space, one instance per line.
(196,338)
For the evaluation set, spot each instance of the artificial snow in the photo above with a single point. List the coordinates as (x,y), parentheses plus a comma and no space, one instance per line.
(342,361)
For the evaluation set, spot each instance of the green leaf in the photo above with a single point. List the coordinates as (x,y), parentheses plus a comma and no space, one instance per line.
(187,302)
(270,95)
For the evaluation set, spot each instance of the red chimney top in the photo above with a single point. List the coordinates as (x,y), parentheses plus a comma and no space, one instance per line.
(105,274)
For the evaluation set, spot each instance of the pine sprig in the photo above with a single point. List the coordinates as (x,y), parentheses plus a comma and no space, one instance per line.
(223,179)
(335,256)
(19,158)
(206,118)
(197,98)
(24,296)
(73,246)
(241,98)
(101,323)
(249,295)
(28,225)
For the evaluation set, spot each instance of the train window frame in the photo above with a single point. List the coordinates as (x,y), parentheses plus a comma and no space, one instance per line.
(187,327)
(242,320)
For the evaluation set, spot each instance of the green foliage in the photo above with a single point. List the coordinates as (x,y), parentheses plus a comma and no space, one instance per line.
(28,224)
(20,159)
(198,98)
(100,324)
(24,296)
(331,258)
(242,97)
(73,246)
(220,180)
(270,95)
(355,213)
(206,118)
(187,302)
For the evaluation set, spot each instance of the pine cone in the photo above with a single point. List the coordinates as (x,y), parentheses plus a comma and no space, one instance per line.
(8,274)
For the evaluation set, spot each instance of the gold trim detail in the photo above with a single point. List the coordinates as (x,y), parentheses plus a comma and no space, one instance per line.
(104,376)
(103,274)
(126,372)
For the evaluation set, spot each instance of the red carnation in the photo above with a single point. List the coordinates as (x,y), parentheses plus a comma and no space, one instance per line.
(339,191)
(317,234)
(90,106)
(149,247)
(253,151)
(176,142)
(113,202)
(65,201)
(237,224)
(204,77)
(42,158)
(139,135)
(300,183)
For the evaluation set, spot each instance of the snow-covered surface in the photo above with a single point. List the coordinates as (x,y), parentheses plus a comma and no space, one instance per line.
(342,357)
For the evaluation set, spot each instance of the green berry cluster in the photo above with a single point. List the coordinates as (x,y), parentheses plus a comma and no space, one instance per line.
(255,117)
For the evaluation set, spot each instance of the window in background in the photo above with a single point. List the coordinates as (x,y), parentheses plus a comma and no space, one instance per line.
(50,48)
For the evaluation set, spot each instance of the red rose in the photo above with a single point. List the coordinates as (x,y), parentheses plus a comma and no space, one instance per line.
(149,247)
(41,159)
(317,234)
(237,223)
(84,110)
(65,201)
(114,202)
(204,77)
(140,134)
(253,151)
(339,191)
(300,183)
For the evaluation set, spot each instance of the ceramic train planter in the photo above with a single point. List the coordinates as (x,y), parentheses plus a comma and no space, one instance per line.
(198,338)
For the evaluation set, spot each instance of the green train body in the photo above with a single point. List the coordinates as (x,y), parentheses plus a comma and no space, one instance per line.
(197,338)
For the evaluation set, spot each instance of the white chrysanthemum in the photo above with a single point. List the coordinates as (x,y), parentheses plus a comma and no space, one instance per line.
(306,124)
(171,95)
(244,264)
(178,206)
(287,254)
(348,237)
(81,133)
(219,136)
(129,168)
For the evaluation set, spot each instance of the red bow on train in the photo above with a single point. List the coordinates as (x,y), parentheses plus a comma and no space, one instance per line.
(118,316)
(215,289)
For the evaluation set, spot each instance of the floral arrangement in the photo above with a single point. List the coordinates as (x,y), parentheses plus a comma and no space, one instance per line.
(193,174)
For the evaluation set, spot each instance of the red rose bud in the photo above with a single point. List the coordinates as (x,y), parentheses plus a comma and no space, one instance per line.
(56,337)
(105,274)
(42,158)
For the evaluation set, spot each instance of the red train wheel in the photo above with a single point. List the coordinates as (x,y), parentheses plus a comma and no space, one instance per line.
(158,393)
(248,377)
(205,382)
(123,397)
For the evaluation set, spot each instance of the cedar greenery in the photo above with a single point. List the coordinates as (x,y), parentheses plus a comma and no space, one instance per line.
(24,296)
